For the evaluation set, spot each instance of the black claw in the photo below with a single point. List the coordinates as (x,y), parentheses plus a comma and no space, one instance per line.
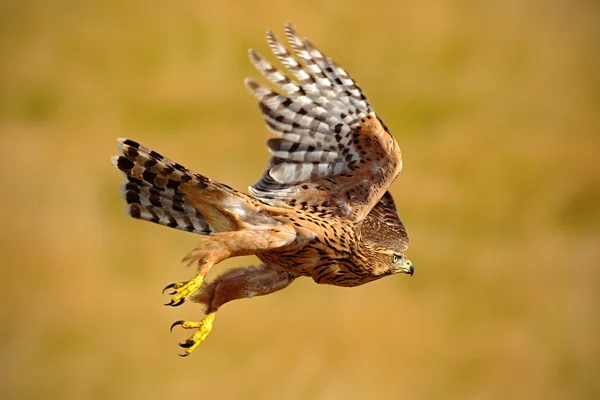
(180,322)
(168,287)
(172,304)
(180,302)
(187,344)
(183,355)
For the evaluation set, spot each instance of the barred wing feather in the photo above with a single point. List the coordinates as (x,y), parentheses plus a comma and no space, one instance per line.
(332,152)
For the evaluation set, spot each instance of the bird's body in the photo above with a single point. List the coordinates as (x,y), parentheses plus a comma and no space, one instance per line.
(321,209)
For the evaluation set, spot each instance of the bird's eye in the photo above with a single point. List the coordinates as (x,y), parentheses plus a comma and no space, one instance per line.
(395,258)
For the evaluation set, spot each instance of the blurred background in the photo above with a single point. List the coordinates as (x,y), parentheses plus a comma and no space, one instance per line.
(495,106)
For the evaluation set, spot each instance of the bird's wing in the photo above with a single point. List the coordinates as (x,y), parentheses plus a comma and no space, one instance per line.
(383,226)
(333,154)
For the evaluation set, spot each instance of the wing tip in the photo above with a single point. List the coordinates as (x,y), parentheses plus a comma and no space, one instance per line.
(291,33)
(251,84)
(255,59)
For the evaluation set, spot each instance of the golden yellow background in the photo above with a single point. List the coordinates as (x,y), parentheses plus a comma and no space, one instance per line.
(495,105)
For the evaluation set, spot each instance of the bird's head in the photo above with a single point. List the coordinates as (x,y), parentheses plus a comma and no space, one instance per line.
(383,240)
(386,261)
(401,263)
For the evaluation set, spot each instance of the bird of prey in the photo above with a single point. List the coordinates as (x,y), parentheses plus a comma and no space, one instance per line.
(321,209)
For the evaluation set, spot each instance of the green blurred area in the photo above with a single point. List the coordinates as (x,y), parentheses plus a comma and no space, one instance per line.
(495,106)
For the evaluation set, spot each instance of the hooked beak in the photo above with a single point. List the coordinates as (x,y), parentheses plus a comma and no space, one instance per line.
(407,268)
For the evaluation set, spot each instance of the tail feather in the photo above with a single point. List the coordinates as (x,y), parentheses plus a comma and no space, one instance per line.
(151,189)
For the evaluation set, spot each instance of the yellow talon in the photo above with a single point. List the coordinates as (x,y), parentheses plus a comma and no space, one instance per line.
(204,327)
(184,290)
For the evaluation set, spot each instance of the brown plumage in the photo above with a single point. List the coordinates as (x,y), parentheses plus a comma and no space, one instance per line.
(321,209)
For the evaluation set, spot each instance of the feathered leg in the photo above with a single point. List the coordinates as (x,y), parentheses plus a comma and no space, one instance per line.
(234,284)
(220,246)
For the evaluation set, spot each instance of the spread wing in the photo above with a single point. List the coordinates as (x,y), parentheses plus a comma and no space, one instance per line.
(383,226)
(333,154)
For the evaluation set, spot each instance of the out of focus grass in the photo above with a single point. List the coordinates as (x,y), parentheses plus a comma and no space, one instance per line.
(495,105)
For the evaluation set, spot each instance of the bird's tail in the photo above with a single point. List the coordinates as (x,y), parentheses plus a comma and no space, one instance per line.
(159,190)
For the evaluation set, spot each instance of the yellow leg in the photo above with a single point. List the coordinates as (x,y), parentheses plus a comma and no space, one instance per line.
(203,329)
(183,290)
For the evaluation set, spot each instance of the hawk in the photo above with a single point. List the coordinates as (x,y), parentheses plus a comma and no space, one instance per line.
(321,209)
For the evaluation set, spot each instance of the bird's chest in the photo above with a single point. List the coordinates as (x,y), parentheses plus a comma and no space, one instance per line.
(300,260)
(327,260)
